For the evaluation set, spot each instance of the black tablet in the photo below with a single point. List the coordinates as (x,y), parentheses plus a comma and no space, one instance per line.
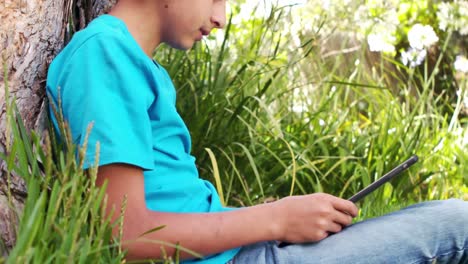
(397,170)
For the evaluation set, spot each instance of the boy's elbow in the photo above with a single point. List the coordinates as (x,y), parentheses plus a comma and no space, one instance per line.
(141,240)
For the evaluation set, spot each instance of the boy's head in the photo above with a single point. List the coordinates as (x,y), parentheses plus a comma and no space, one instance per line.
(179,23)
(185,21)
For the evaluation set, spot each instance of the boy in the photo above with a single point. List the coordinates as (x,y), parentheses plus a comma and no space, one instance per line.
(106,76)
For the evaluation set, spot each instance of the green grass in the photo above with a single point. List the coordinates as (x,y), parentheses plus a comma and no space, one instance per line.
(357,123)
(62,220)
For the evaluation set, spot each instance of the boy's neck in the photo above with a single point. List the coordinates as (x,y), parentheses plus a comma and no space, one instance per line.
(142,23)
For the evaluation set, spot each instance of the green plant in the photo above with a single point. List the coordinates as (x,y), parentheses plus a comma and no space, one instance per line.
(62,220)
(281,119)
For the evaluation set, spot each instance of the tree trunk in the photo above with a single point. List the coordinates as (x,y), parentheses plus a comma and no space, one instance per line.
(32,32)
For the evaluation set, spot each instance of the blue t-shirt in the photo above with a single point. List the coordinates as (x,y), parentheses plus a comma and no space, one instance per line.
(104,77)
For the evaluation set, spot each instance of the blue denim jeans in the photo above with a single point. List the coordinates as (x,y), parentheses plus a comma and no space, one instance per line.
(430,232)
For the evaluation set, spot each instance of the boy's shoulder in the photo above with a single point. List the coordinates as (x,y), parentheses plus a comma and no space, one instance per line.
(105,34)
(105,47)
(104,26)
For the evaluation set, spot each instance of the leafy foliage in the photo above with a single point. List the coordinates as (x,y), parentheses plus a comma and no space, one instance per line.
(281,118)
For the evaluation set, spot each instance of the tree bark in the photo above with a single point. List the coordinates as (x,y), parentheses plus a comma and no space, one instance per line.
(32,32)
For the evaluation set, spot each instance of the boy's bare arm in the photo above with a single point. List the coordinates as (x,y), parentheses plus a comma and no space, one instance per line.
(293,219)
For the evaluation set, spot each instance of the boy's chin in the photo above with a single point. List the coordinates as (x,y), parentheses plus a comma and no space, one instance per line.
(182,46)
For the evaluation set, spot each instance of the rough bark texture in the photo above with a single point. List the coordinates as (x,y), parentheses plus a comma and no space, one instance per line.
(32,32)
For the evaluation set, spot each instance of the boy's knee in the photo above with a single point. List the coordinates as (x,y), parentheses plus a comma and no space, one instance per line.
(454,204)
(444,210)
(455,210)
(458,206)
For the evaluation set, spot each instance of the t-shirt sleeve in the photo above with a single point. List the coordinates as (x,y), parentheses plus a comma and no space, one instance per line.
(107,83)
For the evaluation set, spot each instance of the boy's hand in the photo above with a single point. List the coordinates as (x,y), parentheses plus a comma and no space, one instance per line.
(311,218)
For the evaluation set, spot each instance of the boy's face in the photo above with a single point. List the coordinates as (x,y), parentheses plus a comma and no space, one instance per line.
(186,21)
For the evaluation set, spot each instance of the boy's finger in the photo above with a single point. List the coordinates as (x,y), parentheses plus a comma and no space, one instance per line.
(343,219)
(345,206)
